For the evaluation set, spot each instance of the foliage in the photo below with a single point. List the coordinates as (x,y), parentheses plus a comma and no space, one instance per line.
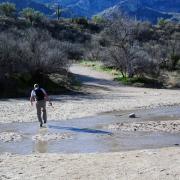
(98,66)
(140,81)
(7,9)
(139,49)
(31,15)
(81,21)
(123,50)
(28,56)
(162,22)
(98,19)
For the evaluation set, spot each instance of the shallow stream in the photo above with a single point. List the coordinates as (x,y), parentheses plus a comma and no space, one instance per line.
(87,135)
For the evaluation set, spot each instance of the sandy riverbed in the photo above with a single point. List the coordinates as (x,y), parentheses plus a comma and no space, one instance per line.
(102,95)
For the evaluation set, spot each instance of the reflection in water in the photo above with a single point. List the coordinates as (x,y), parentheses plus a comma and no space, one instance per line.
(41,146)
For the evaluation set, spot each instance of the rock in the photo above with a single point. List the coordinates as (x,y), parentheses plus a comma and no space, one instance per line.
(132,115)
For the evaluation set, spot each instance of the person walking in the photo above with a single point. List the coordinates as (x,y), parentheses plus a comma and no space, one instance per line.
(39,96)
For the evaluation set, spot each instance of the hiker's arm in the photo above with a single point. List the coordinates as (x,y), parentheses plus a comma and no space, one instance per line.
(46,96)
(48,99)
(31,100)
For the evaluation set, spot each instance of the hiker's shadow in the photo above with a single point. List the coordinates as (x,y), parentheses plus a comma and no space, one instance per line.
(81,130)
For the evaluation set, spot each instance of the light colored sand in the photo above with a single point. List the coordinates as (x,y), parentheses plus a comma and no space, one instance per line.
(172,126)
(162,164)
(102,95)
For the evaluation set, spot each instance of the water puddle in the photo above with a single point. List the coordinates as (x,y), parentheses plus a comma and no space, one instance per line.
(91,134)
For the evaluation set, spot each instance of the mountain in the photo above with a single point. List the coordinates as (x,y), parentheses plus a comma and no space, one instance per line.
(149,10)
(79,8)
(21,4)
(145,10)
(140,10)
(163,5)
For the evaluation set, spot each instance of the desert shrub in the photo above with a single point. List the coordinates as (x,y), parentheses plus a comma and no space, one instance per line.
(81,21)
(27,56)
(7,9)
(98,19)
(31,15)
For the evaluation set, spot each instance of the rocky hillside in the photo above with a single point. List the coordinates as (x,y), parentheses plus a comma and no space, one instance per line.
(163,5)
(142,10)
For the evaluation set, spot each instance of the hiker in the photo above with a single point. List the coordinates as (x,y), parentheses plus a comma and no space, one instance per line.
(39,96)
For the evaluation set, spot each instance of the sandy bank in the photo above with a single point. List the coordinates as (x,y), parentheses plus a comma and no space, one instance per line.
(161,164)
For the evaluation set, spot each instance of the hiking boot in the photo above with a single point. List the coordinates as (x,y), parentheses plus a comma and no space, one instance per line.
(41,125)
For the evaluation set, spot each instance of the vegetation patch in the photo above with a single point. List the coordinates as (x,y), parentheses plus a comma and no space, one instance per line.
(135,81)
(97,65)
(140,82)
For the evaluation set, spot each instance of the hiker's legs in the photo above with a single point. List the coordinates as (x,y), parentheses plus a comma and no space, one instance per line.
(44,111)
(38,107)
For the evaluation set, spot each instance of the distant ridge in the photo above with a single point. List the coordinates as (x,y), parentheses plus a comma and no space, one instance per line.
(144,10)
(136,11)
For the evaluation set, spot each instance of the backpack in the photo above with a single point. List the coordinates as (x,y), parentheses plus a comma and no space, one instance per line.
(39,94)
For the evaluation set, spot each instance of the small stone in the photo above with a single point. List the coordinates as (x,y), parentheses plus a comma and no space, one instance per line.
(176,144)
(163,170)
(132,115)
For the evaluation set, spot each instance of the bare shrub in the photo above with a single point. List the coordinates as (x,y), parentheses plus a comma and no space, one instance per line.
(124,51)
(30,55)
(93,49)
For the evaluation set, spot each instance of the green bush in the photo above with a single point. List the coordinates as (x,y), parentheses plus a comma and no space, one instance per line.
(7,9)
(81,21)
(31,15)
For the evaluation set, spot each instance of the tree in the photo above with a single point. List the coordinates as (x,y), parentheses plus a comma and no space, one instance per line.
(124,51)
(31,15)
(119,35)
(7,9)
